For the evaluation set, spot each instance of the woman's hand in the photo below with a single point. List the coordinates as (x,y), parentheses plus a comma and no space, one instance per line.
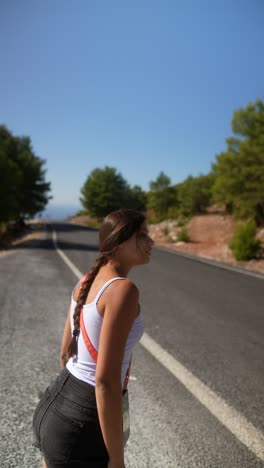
(63,362)
(116,465)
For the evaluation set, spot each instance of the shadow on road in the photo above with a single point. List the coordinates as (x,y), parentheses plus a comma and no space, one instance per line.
(29,241)
(68,227)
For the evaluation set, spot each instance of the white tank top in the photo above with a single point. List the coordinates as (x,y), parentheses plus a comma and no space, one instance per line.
(83,366)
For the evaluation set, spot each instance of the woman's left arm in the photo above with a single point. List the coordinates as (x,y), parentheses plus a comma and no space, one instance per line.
(66,338)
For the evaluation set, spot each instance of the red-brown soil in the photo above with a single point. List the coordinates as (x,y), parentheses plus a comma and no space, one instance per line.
(209,238)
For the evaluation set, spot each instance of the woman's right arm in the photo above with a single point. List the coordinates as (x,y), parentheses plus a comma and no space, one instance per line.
(65,340)
(119,315)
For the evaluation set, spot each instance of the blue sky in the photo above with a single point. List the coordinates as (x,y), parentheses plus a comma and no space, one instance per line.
(142,86)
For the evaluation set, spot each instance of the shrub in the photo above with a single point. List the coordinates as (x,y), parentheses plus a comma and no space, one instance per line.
(173,212)
(165,230)
(82,213)
(244,244)
(181,222)
(183,235)
(155,219)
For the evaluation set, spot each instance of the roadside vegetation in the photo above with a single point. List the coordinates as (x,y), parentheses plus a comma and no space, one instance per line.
(235,185)
(24,191)
(244,244)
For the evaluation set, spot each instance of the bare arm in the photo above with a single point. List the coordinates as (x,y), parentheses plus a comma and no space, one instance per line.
(120,313)
(66,338)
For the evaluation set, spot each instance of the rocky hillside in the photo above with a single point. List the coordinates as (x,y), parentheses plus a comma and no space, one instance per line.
(209,238)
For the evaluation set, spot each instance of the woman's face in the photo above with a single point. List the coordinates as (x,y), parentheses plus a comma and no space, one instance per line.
(138,246)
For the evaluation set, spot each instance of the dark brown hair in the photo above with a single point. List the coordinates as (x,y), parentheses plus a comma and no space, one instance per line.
(117,227)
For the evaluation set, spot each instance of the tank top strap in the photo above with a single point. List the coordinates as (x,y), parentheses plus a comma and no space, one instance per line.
(100,292)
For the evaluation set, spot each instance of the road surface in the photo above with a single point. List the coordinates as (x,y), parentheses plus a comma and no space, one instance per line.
(196,390)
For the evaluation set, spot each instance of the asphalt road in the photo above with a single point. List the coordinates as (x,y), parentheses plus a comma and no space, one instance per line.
(211,320)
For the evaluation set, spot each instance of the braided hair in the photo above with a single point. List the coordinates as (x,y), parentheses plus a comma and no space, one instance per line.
(117,227)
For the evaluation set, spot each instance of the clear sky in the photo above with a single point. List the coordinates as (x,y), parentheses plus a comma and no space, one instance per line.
(142,86)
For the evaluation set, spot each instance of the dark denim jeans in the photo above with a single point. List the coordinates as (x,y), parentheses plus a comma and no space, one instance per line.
(66,425)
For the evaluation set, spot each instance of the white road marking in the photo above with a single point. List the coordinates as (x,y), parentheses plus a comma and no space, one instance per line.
(228,416)
(64,257)
(235,422)
(132,377)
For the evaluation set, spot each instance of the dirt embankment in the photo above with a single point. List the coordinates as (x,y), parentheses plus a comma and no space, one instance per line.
(209,238)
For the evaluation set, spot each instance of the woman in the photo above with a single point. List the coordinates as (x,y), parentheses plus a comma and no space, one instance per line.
(78,421)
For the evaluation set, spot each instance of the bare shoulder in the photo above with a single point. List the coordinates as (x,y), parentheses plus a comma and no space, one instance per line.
(76,292)
(126,288)
(122,295)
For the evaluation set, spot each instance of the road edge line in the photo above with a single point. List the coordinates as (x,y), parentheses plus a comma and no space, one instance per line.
(238,425)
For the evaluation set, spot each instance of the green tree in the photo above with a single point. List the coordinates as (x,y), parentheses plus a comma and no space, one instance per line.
(160,183)
(195,194)
(104,190)
(24,191)
(239,171)
(33,189)
(161,197)
(136,198)
(9,181)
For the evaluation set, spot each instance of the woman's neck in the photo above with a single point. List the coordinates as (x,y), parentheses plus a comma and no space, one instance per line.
(113,267)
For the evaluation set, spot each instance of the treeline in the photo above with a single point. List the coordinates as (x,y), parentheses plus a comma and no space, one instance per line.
(23,188)
(235,182)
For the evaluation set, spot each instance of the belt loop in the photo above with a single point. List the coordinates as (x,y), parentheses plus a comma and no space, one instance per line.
(62,379)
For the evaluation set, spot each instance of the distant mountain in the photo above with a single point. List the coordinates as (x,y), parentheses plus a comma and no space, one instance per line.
(59,212)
